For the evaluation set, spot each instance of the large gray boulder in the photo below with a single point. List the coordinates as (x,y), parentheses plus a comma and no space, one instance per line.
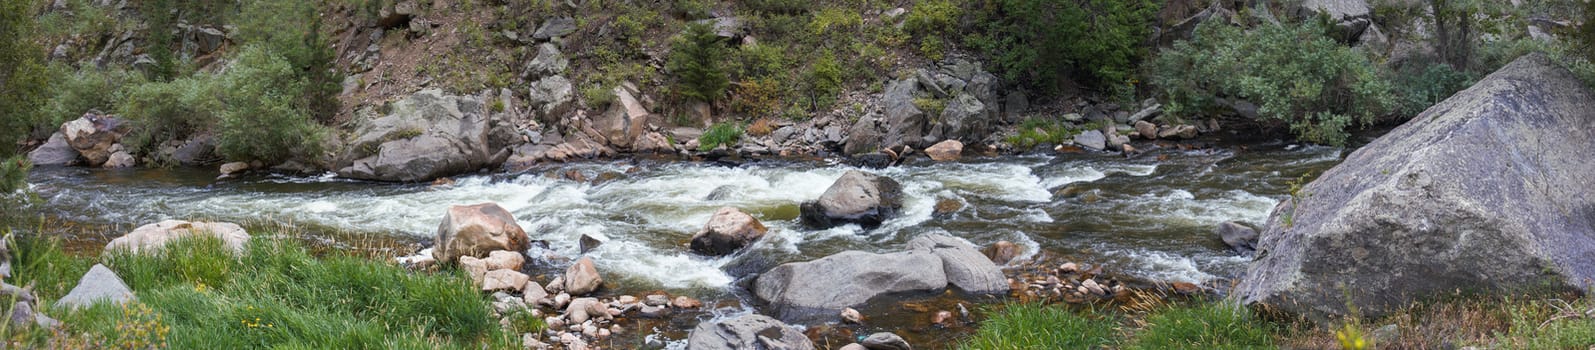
(965,266)
(821,287)
(56,151)
(154,237)
(427,136)
(98,285)
(749,332)
(905,123)
(1487,191)
(856,197)
(965,117)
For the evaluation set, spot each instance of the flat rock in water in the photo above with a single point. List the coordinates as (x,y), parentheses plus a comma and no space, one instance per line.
(820,287)
(965,266)
(747,332)
(100,284)
(1487,191)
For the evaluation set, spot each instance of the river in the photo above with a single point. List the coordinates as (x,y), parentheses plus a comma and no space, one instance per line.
(1149,217)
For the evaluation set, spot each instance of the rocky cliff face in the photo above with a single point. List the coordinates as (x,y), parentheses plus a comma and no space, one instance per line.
(1485,192)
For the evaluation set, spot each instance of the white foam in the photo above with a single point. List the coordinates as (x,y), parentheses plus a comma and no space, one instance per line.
(1163,266)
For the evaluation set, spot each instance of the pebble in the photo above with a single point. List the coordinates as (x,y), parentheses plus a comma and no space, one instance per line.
(942,318)
(683,302)
(850,315)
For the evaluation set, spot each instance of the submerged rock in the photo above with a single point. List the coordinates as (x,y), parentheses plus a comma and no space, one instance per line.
(1487,191)
(747,332)
(856,197)
(477,230)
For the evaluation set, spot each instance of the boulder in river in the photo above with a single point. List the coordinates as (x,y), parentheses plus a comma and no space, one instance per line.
(100,284)
(427,136)
(1092,139)
(477,230)
(727,231)
(1487,191)
(945,151)
(1240,237)
(856,197)
(885,341)
(582,277)
(153,237)
(805,290)
(55,151)
(93,136)
(752,331)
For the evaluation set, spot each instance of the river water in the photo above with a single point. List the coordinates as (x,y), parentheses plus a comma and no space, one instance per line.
(1149,217)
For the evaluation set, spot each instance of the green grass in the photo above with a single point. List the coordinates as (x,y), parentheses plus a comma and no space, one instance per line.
(1020,326)
(1203,325)
(719,134)
(277,295)
(1036,131)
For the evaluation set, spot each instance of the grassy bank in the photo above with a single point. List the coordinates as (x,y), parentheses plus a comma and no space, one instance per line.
(1489,322)
(197,295)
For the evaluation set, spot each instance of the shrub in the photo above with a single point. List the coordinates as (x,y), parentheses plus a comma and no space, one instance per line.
(779,6)
(1036,131)
(719,134)
(758,98)
(696,59)
(933,18)
(760,61)
(1421,86)
(1296,75)
(826,77)
(23,76)
(1042,43)
(302,46)
(265,121)
(171,110)
(76,91)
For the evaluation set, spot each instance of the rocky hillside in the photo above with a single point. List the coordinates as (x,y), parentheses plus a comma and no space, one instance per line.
(415,90)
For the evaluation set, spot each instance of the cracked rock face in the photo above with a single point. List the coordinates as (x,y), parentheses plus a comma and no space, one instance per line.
(1485,192)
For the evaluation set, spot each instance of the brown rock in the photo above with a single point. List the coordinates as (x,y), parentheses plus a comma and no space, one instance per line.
(473,267)
(1147,130)
(942,318)
(501,260)
(476,230)
(1003,252)
(726,232)
(850,315)
(945,151)
(504,279)
(1186,288)
(684,302)
(948,206)
(582,277)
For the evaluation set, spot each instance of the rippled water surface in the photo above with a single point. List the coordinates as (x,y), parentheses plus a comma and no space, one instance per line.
(1148,217)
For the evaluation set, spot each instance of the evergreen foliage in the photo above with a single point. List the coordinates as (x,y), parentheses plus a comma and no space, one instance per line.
(696,59)
(1043,43)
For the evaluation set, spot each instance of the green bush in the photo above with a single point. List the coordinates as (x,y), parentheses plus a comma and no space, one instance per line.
(23,75)
(719,134)
(1297,76)
(761,61)
(301,45)
(172,110)
(779,6)
(264,120)
(1421,86)
(826,77)
(1036,131)
(1043,43)
(76,91)
(933,18)
(1028,326)
(697,60)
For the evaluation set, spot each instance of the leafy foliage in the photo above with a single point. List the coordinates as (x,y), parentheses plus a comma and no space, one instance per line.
(1042,43)
(826,77)
(1296,75)
(306,51)
(171,110)
(74,92)
(265,121)
(696,60)
(719,134)
(23,80)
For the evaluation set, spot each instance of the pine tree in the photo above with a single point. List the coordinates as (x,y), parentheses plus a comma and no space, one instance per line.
(695,60)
